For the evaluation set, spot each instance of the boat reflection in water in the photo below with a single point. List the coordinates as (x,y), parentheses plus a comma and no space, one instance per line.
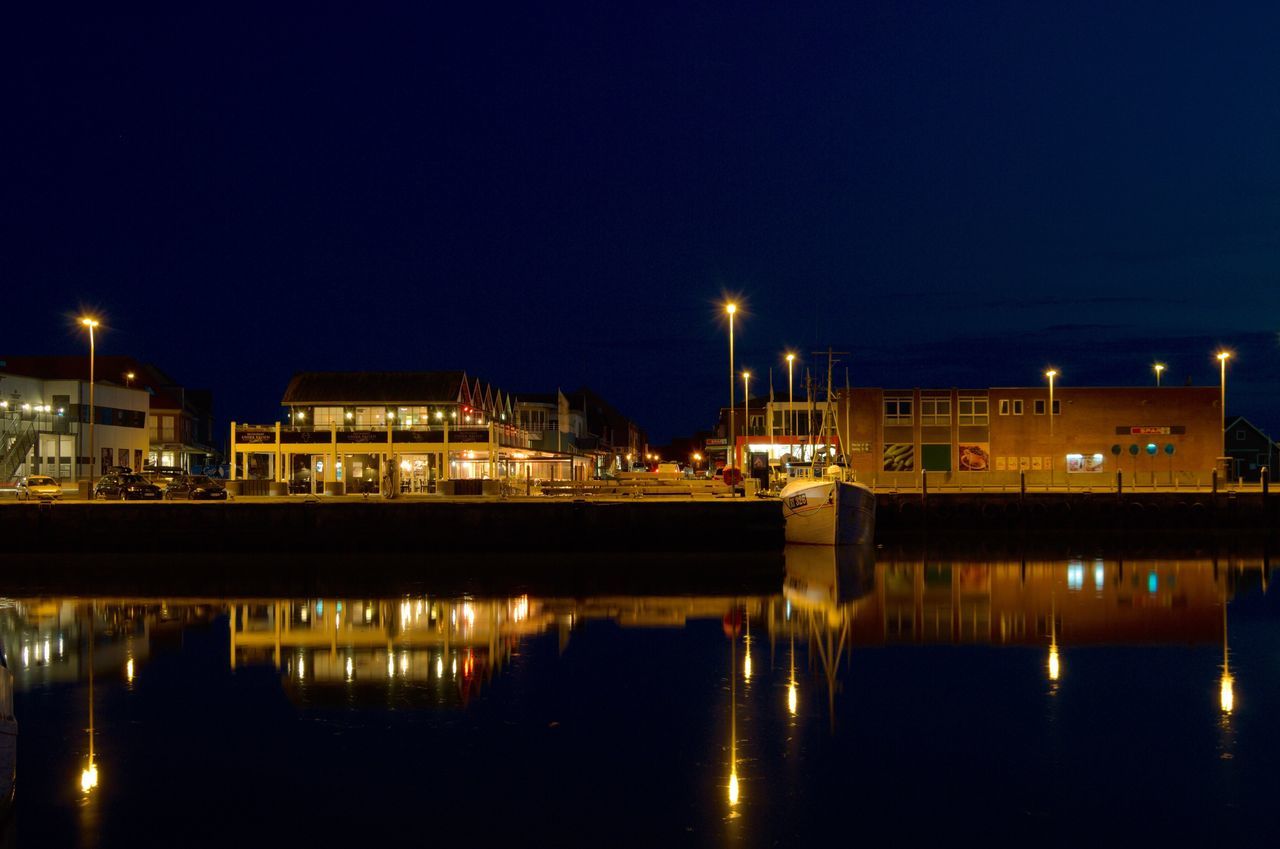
(796,660)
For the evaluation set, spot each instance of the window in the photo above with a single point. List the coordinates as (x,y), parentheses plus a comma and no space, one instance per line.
(973,410)
(1017,406)
(935,411)
(1004,406)
(325,416)
(1040,406)
(897,410)
(1057,407)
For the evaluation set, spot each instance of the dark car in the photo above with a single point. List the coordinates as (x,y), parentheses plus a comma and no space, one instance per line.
(126,488)
(195,488)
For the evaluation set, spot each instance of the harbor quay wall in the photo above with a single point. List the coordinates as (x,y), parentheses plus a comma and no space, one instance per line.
(1084,515)
(360,530)
(367,527)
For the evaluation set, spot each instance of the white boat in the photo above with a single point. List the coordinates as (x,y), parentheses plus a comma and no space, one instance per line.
(828,510)
(8,738)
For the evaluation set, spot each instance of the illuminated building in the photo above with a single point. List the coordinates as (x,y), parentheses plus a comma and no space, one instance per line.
(176,422)
(995,436)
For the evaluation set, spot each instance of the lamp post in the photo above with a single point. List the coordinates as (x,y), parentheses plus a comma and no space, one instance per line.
(1051,374)
(1223,356)
(731,454)
(90,323)
(1053,463)
(128,379)
(1158,367)
(746,416)
(791,430)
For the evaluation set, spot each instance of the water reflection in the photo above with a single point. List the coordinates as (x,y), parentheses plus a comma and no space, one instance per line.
(794,650)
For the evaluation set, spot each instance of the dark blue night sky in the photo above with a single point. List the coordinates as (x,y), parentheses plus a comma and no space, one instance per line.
(558,194)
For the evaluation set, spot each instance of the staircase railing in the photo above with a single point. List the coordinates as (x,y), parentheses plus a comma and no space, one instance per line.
(15,441)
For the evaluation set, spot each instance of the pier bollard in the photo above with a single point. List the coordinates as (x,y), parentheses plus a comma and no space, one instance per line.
(1119,481)
(1214,481)
(1265,482)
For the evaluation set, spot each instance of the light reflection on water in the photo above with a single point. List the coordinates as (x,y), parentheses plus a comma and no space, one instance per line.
(787,668)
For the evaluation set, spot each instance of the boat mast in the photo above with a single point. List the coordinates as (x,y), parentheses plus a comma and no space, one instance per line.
(826,410)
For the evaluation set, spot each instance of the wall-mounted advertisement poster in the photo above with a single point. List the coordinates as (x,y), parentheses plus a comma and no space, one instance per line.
(899,457)
(1085,463)
(975,456)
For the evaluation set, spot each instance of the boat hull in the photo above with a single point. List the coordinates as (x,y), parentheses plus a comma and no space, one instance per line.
(828,512)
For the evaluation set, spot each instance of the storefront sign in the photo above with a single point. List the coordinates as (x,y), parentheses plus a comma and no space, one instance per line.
(255,437)
(471,435)
(711,443)
(362,436)
(860,447)
(305,437)
(1154,430)
(418,436)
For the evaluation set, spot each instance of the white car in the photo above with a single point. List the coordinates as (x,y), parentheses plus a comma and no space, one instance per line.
(39,487)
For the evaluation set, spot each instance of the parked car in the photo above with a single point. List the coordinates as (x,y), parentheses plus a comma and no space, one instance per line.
(195,488)
(126,488)
(38,487)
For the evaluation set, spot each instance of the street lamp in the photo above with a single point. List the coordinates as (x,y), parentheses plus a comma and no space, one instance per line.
(1051,374)
(791,399)
(128,379)
(90,323)
(1053,463)
(1159,367)
(1223,356)
(731,308)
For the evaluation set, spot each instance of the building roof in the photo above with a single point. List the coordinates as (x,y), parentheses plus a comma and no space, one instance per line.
(166,393)
(374,387)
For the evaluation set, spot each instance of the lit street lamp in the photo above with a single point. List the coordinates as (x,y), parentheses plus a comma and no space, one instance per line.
(731,454)
(90,323)
(1051,374)
(1158,367)
(791,399)
(1223,356)
(1053,462)
(128,379)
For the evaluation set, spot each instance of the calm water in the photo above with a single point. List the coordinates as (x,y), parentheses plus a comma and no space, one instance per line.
(1075,701)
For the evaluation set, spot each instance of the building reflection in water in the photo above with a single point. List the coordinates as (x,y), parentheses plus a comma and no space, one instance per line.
(435,652)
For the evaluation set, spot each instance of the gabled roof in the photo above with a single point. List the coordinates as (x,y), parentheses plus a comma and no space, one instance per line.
(375,387)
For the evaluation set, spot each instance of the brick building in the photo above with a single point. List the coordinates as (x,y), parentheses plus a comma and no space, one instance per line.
(1166,435)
